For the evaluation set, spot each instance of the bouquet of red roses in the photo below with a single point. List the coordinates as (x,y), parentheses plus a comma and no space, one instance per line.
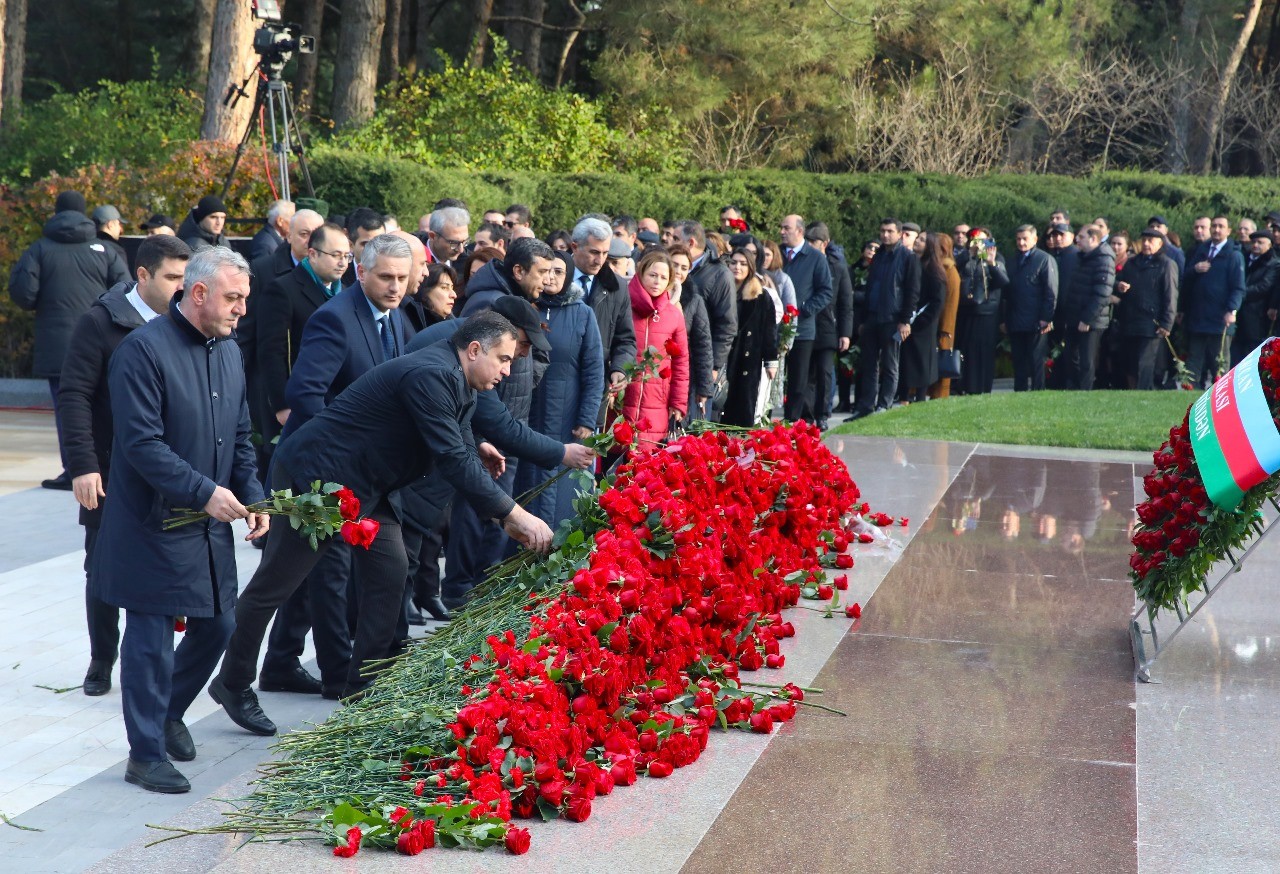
(325,510)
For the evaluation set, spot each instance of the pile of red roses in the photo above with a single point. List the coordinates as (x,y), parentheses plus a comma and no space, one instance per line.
(625,672)
(1180,533)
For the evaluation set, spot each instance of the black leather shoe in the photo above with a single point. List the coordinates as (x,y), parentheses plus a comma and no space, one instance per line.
(859,413)
(156,777)
(98,679)
(243,708)
(331,693)
(60,483)
(414,615)
(823,425)
(297,680)
(177,741)
(351,694)
(433,605)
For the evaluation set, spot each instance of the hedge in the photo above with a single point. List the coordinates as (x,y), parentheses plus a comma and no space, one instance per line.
(851,204)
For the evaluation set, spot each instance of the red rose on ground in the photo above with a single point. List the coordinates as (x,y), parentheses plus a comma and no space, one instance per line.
(841,582)
(762,722)
(853,611)
(410,843)
(775,661)
(516,841)
(825,592)
(348,504)
(660,769)
(844,561)
(578,809)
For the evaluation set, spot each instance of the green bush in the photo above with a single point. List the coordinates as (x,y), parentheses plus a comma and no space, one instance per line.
(136,122)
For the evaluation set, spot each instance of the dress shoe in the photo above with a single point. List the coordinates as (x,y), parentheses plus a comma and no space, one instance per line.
(353,693)
(60,483)
(433,605)
(823,425)
(243,708)
(843,407)
(156,777)
(414,615)
(177,741)
(859,413)
(297,680)
(98,679)
(332,693)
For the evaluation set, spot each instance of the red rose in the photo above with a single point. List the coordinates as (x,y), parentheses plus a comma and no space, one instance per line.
(672,347)
(762,722)
(660,769)
(578,809)
(775,661)
(903,521)
(179,624)
(623,433)
(844,561)
(864,537)
(427,829)
(516,841)
(841,582)
(664,371)
(825,593)
(361,533)
(352,846)
(410,843)
(853,611)
(348,504)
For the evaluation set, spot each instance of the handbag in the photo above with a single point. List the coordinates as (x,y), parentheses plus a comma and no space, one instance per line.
(950,363)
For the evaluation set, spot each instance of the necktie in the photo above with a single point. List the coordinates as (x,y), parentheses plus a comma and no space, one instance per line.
(791,255)
(585,281)
(1213,251)
(388,342)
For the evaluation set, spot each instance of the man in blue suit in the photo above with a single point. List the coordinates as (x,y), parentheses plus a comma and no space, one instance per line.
(360,328)
(1212,290)
(811,276)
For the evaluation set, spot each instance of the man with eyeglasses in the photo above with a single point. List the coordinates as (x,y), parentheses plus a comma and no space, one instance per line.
(448,231)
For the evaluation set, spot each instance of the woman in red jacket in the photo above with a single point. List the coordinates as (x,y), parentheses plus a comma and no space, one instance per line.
(650,403)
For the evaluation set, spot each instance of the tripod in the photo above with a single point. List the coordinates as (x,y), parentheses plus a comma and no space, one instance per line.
(286,138)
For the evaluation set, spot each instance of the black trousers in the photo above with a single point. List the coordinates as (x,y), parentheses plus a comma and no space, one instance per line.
(1202,358)
(1081,357)
(821,369)
(475,544)
(319,606)
(798,376)
(287,561)
(423,577)
(103,618)
(157,683)
(55,383)
(1028,359)
(878,361)
(1138,359)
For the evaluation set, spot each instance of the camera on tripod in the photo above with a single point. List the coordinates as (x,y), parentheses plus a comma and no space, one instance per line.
(276,42)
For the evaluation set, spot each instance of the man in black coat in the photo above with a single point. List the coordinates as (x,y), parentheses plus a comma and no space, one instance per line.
(1066,255)
(710,278)
(609,301)
(60,276)
(203,226)
(833,326)
(1029,302)
(86,405)
(274,231)
(1255,320)
(1148,306)
(1085,308)
(809,273)
(411,418)
(893,288)
(181,428)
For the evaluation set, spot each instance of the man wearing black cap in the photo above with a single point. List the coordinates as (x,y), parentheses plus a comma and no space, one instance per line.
(1173,253)
(1256,319)
(60,276)
(1148,296)
(159,224)
(202,227)
(411,418)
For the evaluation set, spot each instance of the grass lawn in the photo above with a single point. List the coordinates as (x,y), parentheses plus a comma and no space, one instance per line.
(1137,420)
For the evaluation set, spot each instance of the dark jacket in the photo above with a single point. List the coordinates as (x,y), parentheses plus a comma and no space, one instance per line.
(1262,283)
(284,308)
(1032,294)
(981,284)
(812,278)
(712,280)
(697,327)
(84,400)
(112,245)
(339,345)
(1152,298)
(262,272)
(516,391)
(893,285)
(264,242)
(197,237)
(410,418)
(60,276)
(613,317)
(756,343)
(1208,297)
(1067,259)
(181,425)
(567,397)
(1091,285)
(835,320)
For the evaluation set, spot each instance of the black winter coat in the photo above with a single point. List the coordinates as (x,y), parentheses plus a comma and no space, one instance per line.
(284,308)
(181,425)
(264,242)
(59,276)
(1262,282)
(1032,292)
(84,399)
(612,307)
(1152,298)
(1067,259)
(197,237)
(697,327)
(1091,285)
(756,343)
(516,391)
(712,280)
(835,320)
(893,286)
(981,284)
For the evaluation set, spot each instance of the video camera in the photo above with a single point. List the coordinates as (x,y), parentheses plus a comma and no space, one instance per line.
(276,42)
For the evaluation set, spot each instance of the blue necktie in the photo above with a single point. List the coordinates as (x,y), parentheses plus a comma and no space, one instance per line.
(388,342)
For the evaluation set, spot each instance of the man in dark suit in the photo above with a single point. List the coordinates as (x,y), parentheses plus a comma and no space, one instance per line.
(893,289)
(811,277)
(410,418)
(343,340)
(273,233)
(181,426)
(606,297)
(833,326)
(1211,293)
(1029,303)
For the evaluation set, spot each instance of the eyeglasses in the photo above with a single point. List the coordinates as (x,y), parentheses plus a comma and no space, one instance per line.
(453,244)
(341,256)
(507,224)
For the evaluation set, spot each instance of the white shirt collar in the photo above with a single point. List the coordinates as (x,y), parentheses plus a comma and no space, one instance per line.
(140,305)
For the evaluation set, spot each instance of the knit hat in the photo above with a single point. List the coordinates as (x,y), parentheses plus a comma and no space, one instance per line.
(207,206)
(69,201)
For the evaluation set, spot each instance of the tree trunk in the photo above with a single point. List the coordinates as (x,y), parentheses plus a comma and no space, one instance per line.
(231,58)
(569,39)
(389,61)
(1188,47)
(525,35)
(355,71)
(304,83)
(482,11)
(199,41)
(15,61)
(2,20)
(1214,125)
(409,36)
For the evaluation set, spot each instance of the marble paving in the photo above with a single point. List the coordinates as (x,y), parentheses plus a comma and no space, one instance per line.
(993,723)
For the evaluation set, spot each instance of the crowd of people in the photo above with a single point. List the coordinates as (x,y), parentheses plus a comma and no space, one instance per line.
(440,372)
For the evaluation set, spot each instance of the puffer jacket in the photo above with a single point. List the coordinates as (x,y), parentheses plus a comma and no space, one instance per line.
(197,237)
(1086,300)
(647,401)
(516,391)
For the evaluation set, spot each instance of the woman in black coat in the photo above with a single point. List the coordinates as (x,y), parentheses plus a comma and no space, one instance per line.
(435,297)
(918,358)
(697,326)
(982,277)
(755,348)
